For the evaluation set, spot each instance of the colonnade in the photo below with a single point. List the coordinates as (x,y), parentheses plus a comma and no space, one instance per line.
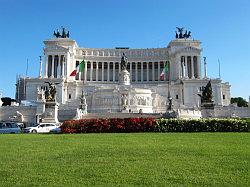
(55,66)
(109,71)
(190,67)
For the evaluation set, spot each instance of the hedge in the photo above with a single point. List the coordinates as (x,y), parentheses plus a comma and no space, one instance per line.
(109,125)
(126,125)
(201,125)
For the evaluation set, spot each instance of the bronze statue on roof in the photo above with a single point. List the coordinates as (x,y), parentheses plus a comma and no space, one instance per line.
(63,34)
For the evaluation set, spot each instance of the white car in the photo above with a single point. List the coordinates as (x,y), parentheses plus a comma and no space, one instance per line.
(42,128)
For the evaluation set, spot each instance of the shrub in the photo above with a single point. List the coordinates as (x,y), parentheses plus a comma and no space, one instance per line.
(201,125)
(151,125)
(109,125)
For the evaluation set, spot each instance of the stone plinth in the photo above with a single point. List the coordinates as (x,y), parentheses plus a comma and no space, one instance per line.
(207,105)
(124,77)
(51,113)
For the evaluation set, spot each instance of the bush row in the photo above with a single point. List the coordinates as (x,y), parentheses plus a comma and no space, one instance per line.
(109,125)
(202,125)
(153,125)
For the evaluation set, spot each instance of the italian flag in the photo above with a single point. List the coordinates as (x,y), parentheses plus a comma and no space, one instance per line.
(79,68)
(164,71)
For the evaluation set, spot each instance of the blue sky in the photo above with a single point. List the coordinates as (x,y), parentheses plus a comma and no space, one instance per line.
(222,26)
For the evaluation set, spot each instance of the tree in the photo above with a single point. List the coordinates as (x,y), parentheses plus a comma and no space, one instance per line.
(240,101)
(7,101)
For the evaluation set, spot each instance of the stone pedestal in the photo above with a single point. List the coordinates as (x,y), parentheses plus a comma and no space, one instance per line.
(207,105)
(51,113)
(207,113)
(170,114)
(124,77)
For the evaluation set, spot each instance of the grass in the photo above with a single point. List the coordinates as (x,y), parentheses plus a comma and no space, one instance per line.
(143,159)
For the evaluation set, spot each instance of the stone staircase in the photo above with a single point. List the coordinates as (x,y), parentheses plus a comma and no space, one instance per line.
(120,115)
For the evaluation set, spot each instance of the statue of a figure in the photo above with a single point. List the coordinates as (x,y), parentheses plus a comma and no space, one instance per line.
(180,30)
(170,104)
(124,100)
(207,94)
(124,62)
(50,94)
(64,34)
(40,95)
(83,101)
(187,34)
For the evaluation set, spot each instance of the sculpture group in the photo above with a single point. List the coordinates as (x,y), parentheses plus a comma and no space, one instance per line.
(124,62)
(50,94)
(64,34)
(207,94)
(180,34)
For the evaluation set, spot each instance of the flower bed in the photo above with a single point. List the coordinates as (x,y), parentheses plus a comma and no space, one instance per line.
(152,125)
(109,125)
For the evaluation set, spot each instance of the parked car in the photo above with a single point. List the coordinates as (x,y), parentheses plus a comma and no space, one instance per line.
(41,128)
(56,130)
(9,128)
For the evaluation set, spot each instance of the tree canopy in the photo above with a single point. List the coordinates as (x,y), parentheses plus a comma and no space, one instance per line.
(240,101)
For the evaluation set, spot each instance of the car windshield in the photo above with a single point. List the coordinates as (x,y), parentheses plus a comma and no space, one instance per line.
(34,125)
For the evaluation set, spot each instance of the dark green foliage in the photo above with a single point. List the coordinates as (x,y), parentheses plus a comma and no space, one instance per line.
(7,101)
(240,101)
(202,125)
(152,125)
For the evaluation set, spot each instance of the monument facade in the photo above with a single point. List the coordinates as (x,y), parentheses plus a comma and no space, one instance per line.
(123,79)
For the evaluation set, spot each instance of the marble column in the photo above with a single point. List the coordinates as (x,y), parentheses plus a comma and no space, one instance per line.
(182,66)
(59,67)
(159,70)
(96,74)
(91,71)
(198,67)
(130,70)
(46,66)
(114,63)
(52,66)
(192,67)
(119,67)
(85,71)
(142,71)
(63,64)
(136,72)
(165,76)
(147,72)
(153,70)
(186,67)
(102,71)
(108,69)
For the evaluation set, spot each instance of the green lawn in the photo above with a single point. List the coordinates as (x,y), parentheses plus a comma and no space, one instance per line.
(145,159)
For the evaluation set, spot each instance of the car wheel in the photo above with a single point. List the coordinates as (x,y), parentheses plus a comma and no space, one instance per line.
(34,131)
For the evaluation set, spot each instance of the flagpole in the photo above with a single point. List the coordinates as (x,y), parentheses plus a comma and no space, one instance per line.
(168,79)
(219,68)
(169,108)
